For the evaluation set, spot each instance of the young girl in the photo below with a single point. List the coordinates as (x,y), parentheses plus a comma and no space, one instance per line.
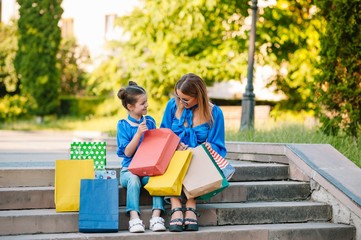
(130,133)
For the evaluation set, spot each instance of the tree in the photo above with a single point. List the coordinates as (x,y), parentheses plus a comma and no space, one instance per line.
(166,39)
(289,42)
(338,86)
(12,104)
(72,60)
(38,44)
(9,83)
(170,38)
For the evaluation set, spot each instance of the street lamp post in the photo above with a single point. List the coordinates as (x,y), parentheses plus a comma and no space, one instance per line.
(247,119)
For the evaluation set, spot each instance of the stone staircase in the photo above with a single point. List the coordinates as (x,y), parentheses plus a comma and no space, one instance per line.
(261,203)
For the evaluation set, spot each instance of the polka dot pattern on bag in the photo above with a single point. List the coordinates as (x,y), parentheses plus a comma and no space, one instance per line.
(89,150)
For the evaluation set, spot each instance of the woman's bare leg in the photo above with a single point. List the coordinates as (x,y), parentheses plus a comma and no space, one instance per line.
(176,203)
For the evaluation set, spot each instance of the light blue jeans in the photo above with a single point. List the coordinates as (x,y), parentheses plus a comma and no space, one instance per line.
(133,183)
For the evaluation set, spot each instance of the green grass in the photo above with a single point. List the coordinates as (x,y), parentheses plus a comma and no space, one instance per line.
(297,133)
(282,131)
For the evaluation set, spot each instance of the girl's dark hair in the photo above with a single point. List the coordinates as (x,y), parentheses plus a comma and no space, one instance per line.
(129,94)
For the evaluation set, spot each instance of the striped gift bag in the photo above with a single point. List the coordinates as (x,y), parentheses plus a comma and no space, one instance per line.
(227,169)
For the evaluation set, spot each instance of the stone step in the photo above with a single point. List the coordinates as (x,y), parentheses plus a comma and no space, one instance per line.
(264,191)
(27,177)
(43,197)
(44,176)
(255,171)
(48,221)
(294,231)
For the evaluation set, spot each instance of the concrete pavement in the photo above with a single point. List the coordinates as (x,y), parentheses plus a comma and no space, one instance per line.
(42,148)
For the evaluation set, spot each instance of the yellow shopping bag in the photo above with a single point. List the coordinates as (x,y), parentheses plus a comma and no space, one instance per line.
(68,174)
(170,183)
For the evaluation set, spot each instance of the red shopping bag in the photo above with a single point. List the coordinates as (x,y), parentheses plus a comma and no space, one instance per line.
(154,153)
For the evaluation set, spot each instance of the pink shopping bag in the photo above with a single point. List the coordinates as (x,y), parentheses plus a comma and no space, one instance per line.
(154,153)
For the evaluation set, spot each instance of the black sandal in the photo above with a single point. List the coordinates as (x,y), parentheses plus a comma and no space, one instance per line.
(176,227)
(193,223)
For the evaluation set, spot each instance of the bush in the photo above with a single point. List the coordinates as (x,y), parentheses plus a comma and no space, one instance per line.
(12,107)
(39,37)
(338,86)
(79,106)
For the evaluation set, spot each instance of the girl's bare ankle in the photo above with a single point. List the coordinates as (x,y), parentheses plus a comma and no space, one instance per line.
(156,213)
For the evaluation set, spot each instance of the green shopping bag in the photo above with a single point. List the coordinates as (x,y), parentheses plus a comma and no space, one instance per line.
(89,150)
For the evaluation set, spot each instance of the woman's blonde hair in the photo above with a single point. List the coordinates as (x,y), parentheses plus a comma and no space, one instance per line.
(192,85)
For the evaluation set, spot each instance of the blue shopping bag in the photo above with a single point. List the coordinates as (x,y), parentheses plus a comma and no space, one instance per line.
(99,205)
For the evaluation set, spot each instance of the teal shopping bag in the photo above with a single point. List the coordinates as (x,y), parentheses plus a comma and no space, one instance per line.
(99,205)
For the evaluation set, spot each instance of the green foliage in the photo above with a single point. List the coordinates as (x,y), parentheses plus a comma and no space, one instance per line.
(166,39)
(12,107)
(288,39)
(338,86)
(72,61)
(9,83)
(102,81)
(79,106)
(35,61)
(170,38)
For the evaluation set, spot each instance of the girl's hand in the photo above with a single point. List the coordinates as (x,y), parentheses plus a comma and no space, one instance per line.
(181,146)
(142,127)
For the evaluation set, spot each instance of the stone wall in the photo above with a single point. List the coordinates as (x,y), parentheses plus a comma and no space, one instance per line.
(340,212)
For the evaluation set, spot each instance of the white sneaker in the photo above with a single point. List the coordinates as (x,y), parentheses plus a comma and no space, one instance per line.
(136,226)
(156,224)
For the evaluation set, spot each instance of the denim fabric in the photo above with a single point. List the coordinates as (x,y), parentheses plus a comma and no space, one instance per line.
(133,183)
(228,171)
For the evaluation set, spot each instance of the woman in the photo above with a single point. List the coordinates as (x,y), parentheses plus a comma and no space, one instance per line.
(195,120)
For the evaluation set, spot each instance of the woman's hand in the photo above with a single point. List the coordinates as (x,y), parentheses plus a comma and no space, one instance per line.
(181,146)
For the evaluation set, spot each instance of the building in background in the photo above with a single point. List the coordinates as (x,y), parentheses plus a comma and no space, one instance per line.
(91,22)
